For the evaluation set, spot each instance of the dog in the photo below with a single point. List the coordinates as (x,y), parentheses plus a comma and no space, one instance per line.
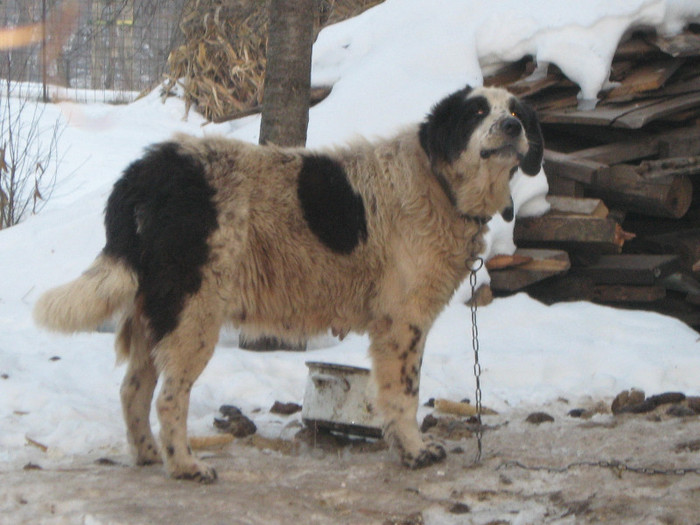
(371,237)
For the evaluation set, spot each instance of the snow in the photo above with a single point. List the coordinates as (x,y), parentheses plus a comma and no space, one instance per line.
(388,66)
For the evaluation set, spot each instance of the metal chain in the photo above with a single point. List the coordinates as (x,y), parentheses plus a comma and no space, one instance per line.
(616,466)
(478,263)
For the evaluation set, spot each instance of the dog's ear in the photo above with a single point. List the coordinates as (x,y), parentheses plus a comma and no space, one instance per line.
(445,132)
(532,162)
(508,212)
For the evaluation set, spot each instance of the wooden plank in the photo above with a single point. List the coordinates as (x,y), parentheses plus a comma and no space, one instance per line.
(647,77)
(634,48)
(623,186)
(601,116)
(681,142)
(684,45)
(570,167)
(656,110)
(509,73)
(685,143)
(617,152)
(542,265)
(654,169)
(563,186)
(573,232)
(684,243)
(617,293)
(577,206)
(631,270)
(630,115)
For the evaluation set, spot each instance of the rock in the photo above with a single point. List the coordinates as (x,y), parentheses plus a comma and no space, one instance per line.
(460,508)
(539,417)
(456,429)
(680,411)
(665,398)
(633,401)
(694,403)
(625,399)
(234,422)
(576,412)
(230,411)
(106,461)
(637,408)
(429,422)
(601,407)
(285,409)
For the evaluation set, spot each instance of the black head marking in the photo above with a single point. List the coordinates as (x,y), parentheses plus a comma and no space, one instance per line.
(331,208)
(158,218)
(446,131)
(532,162)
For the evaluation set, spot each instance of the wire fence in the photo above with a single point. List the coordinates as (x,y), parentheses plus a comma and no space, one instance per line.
(91,50)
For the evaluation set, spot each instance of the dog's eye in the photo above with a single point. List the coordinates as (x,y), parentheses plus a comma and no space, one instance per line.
(480,111)
(515,114)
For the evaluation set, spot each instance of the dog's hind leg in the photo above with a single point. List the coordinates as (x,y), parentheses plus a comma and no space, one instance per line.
(397,353)
(137,389)
(181,356)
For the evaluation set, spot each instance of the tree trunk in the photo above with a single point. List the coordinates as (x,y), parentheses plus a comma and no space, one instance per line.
(285,114)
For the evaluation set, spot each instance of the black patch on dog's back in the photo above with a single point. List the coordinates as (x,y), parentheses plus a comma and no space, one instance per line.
(331,208)
(158,218)
(446,131)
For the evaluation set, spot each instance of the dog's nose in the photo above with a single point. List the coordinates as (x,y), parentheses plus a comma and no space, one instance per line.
(511,127)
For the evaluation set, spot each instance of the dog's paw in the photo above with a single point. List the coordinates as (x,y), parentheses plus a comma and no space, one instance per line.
(195,471)
(428,455)
(148,456)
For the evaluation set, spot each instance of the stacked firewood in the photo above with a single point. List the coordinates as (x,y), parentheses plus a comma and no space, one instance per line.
(624,177)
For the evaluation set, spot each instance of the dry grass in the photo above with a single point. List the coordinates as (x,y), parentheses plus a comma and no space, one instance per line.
(221,66)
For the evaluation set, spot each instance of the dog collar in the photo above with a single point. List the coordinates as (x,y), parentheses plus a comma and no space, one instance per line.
(479,219)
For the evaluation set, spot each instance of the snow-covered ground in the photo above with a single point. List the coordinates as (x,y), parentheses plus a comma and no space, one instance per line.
(388,66)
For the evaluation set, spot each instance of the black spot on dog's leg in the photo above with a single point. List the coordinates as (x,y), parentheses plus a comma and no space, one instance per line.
(331,208)
(417,334)
(158,219)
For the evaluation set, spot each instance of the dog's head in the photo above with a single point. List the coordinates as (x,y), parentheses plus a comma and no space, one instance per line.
(475,140)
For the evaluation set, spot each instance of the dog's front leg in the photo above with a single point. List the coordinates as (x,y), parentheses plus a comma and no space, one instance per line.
(397,353)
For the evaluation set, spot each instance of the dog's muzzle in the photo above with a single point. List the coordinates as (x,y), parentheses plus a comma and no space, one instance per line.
(510,128)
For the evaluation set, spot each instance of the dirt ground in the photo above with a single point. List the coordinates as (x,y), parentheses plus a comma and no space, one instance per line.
(634,468)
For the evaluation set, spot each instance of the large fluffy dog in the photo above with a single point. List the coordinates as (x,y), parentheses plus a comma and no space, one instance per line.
(371,238)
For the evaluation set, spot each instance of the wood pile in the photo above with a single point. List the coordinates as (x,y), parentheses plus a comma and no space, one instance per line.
(624,183)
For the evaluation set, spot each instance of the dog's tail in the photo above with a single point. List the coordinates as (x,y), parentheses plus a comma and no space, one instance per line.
(106,287)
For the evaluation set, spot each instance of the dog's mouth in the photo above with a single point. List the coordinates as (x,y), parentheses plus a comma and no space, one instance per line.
(506,150)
